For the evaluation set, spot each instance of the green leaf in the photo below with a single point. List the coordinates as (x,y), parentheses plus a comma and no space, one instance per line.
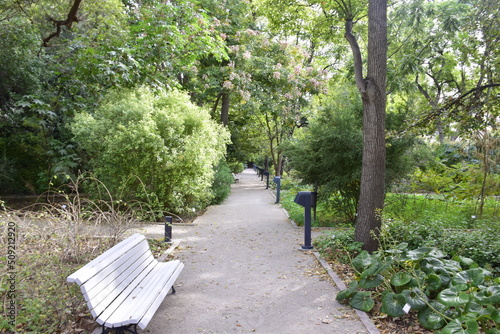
(415,298)
(347,293)
(430,319)
(392,304)
(433,282)
(363,261)
(472,277)
(488,296)
(419,253)
(400,278)
(457,327)
(371,281)
(362,301)
(465,262)
(453,297)
(371,270)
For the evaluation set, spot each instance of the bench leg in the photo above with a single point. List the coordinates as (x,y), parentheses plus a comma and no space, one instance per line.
(173,290)
(120,330)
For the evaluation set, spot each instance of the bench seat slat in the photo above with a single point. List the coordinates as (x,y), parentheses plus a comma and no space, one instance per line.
(157,302)
(129,259)
(141,300)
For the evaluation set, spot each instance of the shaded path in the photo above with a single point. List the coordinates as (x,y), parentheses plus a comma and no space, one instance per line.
(245,272)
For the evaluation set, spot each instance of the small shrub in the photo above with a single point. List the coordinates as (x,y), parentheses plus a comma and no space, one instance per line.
(221,186)
(236,167)
(338,245)
(415,234)
(161,138)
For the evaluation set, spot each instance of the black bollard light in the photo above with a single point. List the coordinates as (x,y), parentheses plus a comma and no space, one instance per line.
(305,198)
(277,180)
(168,228)
(266,174)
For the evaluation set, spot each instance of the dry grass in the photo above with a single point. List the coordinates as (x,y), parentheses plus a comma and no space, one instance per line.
(52,241)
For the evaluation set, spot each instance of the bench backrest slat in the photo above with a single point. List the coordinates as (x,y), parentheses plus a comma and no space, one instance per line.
(103,260)
(116,303)
(102,303)
(100,295)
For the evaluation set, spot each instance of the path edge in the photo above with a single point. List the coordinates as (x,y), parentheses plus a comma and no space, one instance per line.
(370,326)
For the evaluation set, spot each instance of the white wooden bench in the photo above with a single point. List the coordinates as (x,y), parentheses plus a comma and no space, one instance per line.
(124,286)
(235,178)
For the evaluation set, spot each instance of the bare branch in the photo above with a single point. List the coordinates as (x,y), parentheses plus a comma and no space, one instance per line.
(68,22)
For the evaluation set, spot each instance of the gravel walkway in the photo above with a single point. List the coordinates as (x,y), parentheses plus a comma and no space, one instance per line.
(245,272)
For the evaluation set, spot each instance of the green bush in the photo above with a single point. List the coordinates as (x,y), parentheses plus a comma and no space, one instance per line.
(236,167)
(338,244)
(415,234)
(222,183)
(146,145)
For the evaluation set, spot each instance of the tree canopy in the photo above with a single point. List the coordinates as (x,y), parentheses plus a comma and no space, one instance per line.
(266,70)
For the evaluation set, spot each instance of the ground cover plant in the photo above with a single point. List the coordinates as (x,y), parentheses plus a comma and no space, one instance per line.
(447,295)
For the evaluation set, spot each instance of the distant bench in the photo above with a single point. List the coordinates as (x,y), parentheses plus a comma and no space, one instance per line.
(125,285)
(235,178)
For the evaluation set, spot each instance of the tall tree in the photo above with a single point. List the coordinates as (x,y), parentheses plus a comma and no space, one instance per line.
(372,88)
(373,93)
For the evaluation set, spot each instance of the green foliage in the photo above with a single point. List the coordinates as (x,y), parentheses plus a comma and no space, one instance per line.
(338,244)
(236,167)
(329,151)
(163,140)
(448,294)
(221,187)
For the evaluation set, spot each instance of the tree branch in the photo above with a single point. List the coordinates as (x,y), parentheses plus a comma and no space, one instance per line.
(70,19)
(356,52)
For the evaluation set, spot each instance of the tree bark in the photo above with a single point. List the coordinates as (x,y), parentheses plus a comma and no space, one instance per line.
(373,92)
(224,113)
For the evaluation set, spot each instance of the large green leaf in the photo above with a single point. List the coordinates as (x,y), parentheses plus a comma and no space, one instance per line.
(400,278)
(363,261)
(430,319)
(419,253)
(453,297)
(415,298)
(457,327)
(371,282)
(465,262)
(488,296)
(347,293)
(433,282)
(372,270)
(472,277)
(443,274)
(362,300)
(392,304)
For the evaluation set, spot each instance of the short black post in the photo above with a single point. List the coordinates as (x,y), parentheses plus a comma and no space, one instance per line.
(266,173)
(168,228)
(277,180)
(305,198)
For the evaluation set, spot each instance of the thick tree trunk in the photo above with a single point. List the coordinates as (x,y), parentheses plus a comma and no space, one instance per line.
(371,200)
(224,114)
